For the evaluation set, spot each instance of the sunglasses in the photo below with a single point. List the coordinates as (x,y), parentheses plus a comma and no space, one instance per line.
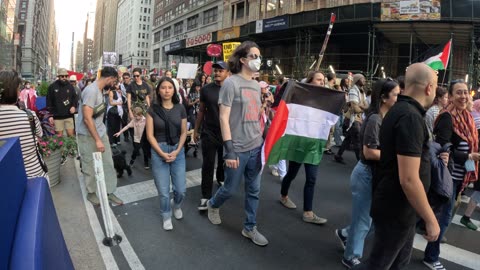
(62,76)
(136,76)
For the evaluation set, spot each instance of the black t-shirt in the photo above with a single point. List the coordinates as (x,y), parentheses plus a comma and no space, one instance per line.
(209,97)
(138,91)
(369,135)
(403,132)
(175,116)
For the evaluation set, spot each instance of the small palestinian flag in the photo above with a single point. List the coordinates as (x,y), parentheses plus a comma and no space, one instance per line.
(302,122)
(438,60)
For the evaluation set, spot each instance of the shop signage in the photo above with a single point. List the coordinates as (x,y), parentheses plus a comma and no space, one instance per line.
(275,24)
(228,33)
(199,40)
(175,45)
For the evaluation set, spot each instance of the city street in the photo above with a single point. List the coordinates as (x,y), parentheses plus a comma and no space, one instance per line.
(195,243)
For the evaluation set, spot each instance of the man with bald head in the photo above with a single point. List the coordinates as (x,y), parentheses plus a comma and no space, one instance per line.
(402,178)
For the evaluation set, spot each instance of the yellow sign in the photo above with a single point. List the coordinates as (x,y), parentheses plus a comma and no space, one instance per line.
(228,49)
(228,33)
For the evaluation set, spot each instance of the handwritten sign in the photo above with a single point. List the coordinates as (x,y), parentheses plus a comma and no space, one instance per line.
(228,49)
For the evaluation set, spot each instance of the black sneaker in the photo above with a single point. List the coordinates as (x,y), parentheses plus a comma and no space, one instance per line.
(220,183)
(64,160)
(341,238)
(350,263)
(339,159)
(203,205)
(328,152)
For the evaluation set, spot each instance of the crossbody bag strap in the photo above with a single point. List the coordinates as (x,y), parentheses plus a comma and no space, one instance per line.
(31,120)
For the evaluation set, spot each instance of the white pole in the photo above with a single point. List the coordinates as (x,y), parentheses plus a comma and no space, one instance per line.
(103,197)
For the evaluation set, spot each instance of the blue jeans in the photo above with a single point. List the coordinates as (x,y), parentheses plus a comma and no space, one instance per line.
(444,216)
(310,179)
(250,166)
(162,172)
(361,185)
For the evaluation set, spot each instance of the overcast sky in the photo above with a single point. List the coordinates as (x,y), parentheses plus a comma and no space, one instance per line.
(70,16)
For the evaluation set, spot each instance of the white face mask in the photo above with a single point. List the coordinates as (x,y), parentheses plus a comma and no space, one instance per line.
(255,64)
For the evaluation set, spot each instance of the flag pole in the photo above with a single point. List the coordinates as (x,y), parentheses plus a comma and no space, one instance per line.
(325,42)
(449,62)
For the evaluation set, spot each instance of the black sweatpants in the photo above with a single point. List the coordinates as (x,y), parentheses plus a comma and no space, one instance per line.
(211,147)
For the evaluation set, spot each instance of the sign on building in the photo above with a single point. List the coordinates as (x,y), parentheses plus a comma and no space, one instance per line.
(410,10)
(228,33)
(199,40)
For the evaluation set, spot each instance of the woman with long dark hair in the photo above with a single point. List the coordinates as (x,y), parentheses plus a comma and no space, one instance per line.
(384,96)
(15,123)
(166,131)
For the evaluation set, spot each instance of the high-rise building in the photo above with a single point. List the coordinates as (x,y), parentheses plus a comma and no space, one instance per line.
(53,46)
(88,64)
(105,27)
(133,34)
(184,24)
(7,33)
(79,57)
(34,23)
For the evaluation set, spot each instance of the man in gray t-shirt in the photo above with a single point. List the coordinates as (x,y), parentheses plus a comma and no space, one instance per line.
(243,98)
(92,136)
(240,105)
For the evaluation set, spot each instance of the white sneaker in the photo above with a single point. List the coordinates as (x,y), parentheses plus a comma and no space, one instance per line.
(177,212)
(167,225)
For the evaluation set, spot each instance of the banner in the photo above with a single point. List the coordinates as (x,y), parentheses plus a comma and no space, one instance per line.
(228,49)
(410,10)
(109,59)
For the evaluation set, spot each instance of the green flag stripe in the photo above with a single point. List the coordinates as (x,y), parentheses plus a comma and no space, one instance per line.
(297,148)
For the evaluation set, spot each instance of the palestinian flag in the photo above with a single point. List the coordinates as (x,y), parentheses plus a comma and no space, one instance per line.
(302,122)
(437,59)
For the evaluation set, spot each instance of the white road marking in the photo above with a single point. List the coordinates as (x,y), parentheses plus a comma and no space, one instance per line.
(127,250)
(450,253)
(147,189)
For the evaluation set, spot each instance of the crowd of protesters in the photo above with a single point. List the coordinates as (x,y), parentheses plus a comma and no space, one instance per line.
(416,144)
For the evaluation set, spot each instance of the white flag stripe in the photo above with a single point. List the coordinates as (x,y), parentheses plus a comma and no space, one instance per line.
(309,122)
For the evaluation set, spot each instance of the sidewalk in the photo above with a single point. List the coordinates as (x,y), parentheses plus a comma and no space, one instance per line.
(74,221)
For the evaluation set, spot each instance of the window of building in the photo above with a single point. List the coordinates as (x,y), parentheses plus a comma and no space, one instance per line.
(166,32)
(146,45)
(143,35)
(144,27)
(148,36)
(144,18)
(179,9)
(240,10)
(24,4)
(178,28)
(192,22)
(210,15)
(142,54)
(145,10)
(156,36)
(22,16)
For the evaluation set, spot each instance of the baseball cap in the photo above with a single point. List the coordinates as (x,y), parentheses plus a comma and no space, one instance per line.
(220,65)
(73,78)
(62,72)
(263,84)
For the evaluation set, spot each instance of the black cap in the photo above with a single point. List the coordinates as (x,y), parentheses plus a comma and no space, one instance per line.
(220,65)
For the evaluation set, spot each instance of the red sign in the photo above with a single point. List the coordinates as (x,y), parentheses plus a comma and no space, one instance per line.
(214,50)
(207,68)
(199,40)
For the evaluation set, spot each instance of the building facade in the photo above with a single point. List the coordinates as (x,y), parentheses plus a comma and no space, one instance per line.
(105,28)
(8,20)
(79,57)
(88,64)
(178,25)
(34,26)
(367,35)
(133,33)
(53,46)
